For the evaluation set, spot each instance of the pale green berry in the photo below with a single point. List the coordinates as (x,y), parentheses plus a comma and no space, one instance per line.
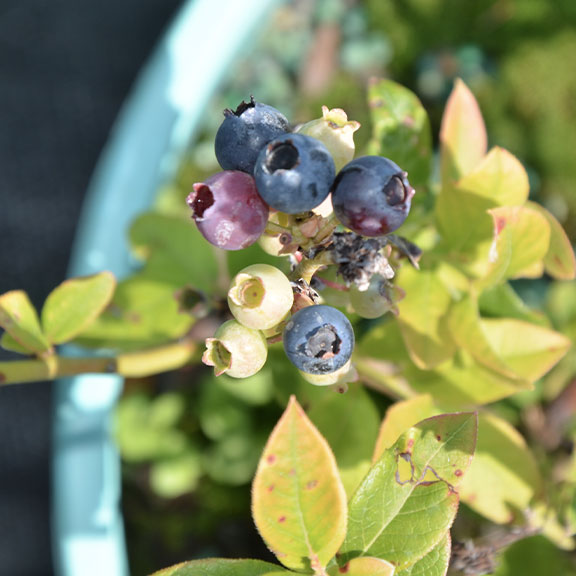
(260,296)
(336,132)
(236,350)
(340,377)
(380,297)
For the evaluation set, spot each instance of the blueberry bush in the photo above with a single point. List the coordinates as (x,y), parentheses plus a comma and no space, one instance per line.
(324,287)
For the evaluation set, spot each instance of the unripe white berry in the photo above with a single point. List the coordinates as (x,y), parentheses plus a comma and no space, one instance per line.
(260,296)
(236,350)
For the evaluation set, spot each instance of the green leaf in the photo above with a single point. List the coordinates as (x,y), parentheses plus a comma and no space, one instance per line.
(71,307)
(408,501)
(435,563)
(559,261)
(20,319)
(223,567)
(298,500)
(529,350)
(401,129)
(504,476)
(422,317)
(463,139)
(175,250)
(349,422)
(364,566)
(143,312)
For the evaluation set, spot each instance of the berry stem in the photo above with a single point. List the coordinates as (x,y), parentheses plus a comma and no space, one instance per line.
(273,229)
(307,268)
(130,365)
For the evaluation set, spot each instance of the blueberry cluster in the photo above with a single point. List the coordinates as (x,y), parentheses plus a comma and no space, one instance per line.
(299,192)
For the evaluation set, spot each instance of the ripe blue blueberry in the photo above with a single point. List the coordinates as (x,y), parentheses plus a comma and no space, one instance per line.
(294,173)
(244,132)
(371,196)
(318,339)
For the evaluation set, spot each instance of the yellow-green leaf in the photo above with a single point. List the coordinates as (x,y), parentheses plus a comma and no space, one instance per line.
(20,319)
(500,177)
(559,261)
(422,317)
(364,566)
(463,139)
(143,312)
(468,333)
(521,241)
(71,307)
(528,349)
(223,567)
(504,476)
(462,209)
(298,500)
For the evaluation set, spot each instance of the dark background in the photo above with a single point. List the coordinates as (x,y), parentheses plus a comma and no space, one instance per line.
(65,68)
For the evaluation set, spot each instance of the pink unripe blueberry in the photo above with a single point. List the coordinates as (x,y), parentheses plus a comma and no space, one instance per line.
(236,350)
(228,210)
(260,296)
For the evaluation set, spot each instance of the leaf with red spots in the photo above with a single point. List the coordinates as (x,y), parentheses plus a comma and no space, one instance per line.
(408,501)
(365,566)
(298,500)
(223,567)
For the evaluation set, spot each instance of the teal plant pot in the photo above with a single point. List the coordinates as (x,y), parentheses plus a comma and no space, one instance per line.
(155,125)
